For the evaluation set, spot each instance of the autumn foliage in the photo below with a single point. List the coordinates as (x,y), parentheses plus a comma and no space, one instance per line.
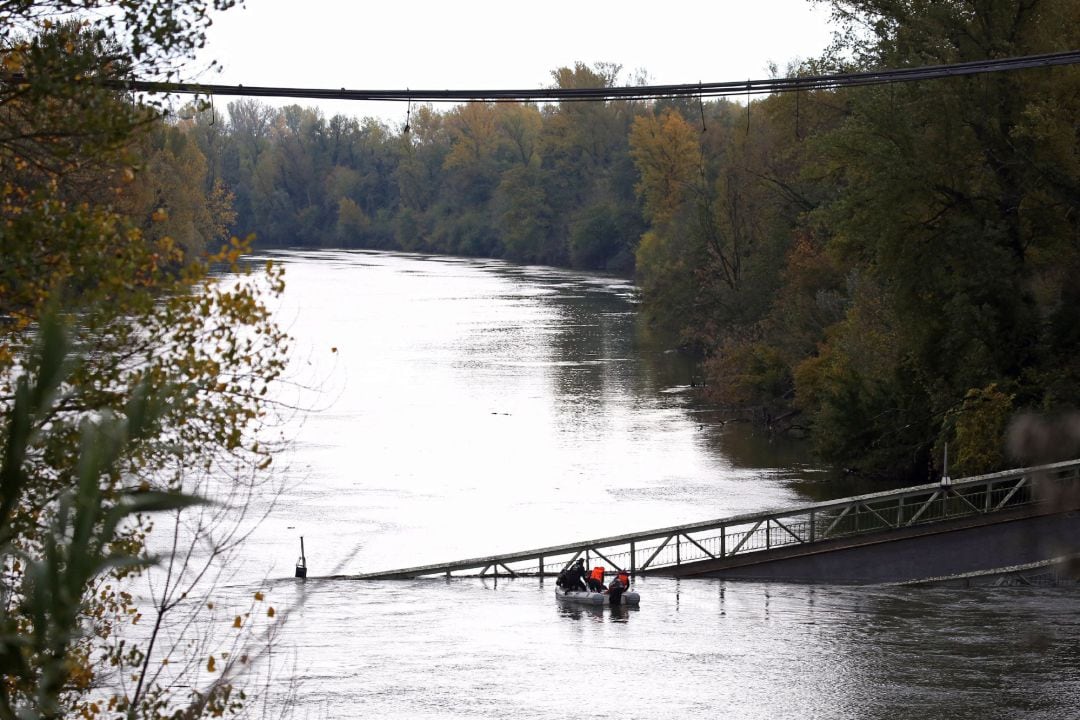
(128,373)
(852,263)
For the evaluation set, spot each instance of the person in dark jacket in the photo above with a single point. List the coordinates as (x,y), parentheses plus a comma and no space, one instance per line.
(574,578)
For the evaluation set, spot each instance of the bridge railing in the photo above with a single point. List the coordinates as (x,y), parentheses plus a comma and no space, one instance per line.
(661,549)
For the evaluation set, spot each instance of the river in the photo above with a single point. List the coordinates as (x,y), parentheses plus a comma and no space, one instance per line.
(451,408)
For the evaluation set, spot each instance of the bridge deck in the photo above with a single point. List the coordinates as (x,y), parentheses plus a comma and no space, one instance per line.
(680,549)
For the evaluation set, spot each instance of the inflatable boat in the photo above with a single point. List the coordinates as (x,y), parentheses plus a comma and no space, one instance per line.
(630,597)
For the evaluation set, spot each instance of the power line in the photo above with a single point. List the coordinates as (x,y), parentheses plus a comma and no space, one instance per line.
(640,92)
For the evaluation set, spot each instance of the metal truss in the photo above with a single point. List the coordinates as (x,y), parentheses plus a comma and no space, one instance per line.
(663,549)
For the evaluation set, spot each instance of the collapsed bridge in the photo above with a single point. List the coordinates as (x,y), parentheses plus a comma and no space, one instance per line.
(1025,517)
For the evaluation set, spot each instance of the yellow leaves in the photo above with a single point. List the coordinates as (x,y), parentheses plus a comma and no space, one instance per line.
(80,674)
(89,710)
(270,612)
(138,311)
(259,596)
(7,358)
(667,154)
(12,62)
(474,135)
(980,421)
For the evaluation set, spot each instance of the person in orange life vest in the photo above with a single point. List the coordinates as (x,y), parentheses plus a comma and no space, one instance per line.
(596,579)
(618,586)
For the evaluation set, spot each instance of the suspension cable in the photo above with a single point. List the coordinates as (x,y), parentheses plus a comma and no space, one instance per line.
(632,92)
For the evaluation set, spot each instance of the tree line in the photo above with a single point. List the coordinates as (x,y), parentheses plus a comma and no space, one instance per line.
(531,184)
(887,269)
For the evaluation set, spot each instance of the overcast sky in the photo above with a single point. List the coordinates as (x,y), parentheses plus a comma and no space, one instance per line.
(466,44)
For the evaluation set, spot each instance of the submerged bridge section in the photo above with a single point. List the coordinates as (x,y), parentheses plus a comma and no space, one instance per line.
(1012,518)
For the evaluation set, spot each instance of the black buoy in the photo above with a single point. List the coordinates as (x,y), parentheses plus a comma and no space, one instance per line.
(301,564)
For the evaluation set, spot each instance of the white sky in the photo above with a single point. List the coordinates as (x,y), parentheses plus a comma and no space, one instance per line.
(469,44)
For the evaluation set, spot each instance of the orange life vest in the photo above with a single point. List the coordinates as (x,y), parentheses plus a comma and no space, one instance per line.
(624,580)
(598,573)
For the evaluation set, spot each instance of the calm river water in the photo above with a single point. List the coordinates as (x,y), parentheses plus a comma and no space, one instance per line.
(455,408)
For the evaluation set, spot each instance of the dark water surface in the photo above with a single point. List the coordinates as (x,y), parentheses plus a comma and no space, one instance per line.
(465,408)
(694,649)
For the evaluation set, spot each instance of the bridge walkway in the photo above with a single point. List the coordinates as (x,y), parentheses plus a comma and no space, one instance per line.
(702,548)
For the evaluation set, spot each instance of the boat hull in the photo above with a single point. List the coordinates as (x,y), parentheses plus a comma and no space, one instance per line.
(584,597)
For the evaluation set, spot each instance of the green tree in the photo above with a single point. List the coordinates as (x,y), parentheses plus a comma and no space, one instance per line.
(172,196)
(524,217)
(248,138)
(85,213)
(955,194)
(581,145)
(520,126)
(668,157)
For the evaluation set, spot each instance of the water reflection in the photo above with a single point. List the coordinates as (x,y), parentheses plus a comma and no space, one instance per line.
(479,407)
(694,648)
(754,650)
(577,611)
(609,613)
(979,653)
(476,407)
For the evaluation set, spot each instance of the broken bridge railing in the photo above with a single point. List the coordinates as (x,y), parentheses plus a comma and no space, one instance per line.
(660,551)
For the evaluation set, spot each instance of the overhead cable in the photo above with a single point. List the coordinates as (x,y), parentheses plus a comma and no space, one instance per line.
(631,92)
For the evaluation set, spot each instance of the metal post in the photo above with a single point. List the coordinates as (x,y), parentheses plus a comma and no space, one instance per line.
(678,554)
(723,540)
(633,558)
(813,527)
(768,535)
(541,573)
(945,479)
(301,564)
